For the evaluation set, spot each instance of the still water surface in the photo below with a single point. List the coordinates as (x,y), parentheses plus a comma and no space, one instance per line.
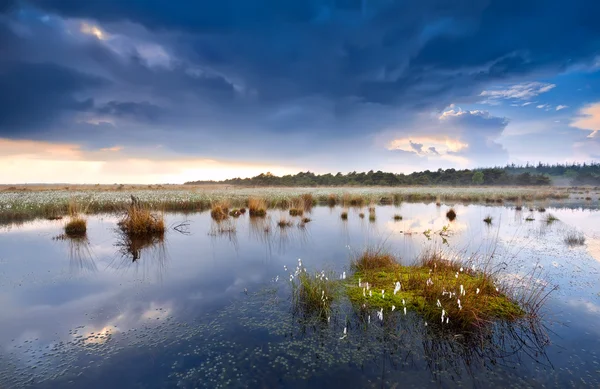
(209,309)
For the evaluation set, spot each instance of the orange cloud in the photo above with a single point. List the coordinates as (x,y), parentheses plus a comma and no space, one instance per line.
(589,119)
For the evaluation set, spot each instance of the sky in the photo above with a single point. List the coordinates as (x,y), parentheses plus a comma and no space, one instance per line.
(153,91)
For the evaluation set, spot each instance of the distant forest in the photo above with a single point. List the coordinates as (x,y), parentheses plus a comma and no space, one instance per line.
(540,174)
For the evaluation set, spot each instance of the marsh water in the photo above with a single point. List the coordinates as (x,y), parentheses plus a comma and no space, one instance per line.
(210,307)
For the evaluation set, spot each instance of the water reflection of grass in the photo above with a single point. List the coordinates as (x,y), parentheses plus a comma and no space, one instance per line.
(81,258)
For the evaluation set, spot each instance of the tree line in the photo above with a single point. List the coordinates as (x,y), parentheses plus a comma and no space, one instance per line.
(540,174)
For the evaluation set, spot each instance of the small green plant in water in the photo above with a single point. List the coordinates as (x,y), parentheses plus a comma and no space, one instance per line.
(550,218)
(344,215)
(397,217)
(313,294)
(488,219)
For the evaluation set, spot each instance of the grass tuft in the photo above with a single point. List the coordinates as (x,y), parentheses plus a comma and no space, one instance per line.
(451,214)
(313,294)
(488,219)
(397,217)
(372,258)
(574,238)
(344,215)
(257,207)
(332,200)
(296,212)
(219,211)
(77,226)
(284,222)
(141,221)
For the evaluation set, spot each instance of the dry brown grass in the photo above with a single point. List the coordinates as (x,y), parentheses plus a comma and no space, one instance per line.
(140,221)
(77,226)
(307,200)
(219,210)
(257,206)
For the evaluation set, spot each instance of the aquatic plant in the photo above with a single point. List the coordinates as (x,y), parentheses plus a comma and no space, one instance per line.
(344,215)
(312,294)
(361,215)
(519,204)
(397,217)
(76,226)
(284,222)
(574,238)
(219,211)
(257,207)
(296,212)
(488,219)
(550,218)
(541,209)
(234,213)
(307,200)
(140,220)
(451,214)
(331,200)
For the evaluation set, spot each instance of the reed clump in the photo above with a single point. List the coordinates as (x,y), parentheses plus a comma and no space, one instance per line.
(519,204)
(296,212)
(284,222)
(352,200)
(332,200)
(76,226)
(307,200)
(372,215)
(313,294)
(141,221)
(219,211)
(488,220)
(257,207)
(574,238)
(451,214)
(344,215)
(397,217)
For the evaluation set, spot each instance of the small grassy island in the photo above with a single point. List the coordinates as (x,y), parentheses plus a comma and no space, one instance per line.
(442,290)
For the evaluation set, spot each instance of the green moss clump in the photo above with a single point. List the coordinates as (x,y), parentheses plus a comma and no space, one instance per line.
(433,280)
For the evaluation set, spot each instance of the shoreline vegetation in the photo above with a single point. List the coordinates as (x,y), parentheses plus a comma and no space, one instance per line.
(19,206)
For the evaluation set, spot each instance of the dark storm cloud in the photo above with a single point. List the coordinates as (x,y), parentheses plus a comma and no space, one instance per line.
(321,69)
(32,94)
(143,110)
